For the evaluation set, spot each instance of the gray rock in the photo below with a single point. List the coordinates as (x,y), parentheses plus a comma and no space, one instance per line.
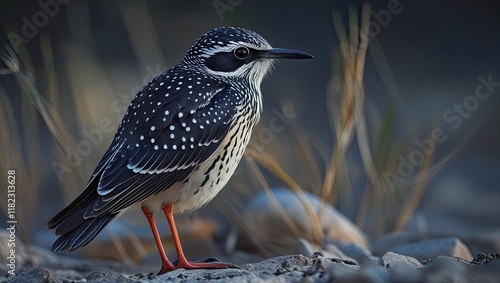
(330,250)
(304,210)
(371,272)
(294,268)
(108,277)
(433,248)
(446,269)
(440,215)
(61,265)
(37,275)
(392,240)
(333,251)
(359,254)
(405,273)
(348,273)
(391,259)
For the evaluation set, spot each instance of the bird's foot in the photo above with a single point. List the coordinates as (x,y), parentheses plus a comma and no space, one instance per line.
(166,267)
(208,263)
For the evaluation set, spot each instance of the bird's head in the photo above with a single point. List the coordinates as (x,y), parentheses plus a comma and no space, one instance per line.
(232,52)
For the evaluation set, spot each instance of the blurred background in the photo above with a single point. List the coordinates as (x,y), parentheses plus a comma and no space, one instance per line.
(400,135)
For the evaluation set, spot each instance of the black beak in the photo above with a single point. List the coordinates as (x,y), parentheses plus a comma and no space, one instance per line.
(281,53)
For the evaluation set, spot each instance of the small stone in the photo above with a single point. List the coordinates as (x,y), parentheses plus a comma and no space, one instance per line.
(371,272)
(106,276)
(433,248)
(485,258)
(446,269)
(333,251)
(390,259)
(37,275)
(308,214)
(405,273)
(353,273)
(356,252)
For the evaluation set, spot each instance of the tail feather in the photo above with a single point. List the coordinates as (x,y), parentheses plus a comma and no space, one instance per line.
(87,197)
(84,232)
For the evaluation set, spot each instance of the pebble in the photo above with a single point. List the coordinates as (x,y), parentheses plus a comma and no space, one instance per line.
(433,248)
(265,217)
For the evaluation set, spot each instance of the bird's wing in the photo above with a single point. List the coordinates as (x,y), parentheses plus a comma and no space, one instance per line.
(168,129)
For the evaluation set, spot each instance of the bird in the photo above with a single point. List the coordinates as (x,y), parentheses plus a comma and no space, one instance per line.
(179,142)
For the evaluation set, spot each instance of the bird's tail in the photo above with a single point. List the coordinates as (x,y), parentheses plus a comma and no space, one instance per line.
(81,234)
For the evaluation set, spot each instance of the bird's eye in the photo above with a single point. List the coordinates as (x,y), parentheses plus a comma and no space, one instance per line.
(241,53)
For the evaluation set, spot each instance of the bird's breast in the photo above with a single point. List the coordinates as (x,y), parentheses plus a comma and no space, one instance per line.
(211,176)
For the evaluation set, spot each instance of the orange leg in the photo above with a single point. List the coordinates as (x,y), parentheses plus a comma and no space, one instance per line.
(182,261)
(166,266)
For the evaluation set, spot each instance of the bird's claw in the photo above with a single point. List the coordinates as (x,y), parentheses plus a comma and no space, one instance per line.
(207,263)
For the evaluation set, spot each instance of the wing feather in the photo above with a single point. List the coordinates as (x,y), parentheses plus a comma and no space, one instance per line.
(161,154)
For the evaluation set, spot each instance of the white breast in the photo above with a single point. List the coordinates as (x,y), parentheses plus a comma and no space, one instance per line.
(209,177)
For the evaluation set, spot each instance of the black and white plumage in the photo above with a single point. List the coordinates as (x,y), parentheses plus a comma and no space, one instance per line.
(181,138)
